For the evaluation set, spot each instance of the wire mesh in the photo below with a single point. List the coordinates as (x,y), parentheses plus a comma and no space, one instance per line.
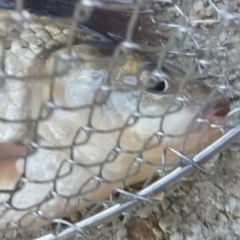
(108,128)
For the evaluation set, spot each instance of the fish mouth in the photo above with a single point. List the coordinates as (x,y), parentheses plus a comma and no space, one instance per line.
(216,112)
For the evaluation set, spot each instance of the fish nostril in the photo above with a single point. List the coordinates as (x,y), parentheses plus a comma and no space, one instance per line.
(221,111)
(217,112)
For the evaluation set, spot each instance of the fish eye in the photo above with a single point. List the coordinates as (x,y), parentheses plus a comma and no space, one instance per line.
(153,81)
(157,86)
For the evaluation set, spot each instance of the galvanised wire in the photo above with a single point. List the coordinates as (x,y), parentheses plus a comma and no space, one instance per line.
(197,44)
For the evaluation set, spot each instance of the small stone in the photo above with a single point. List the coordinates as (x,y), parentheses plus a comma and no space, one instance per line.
(236,191)
(176,208)
(185,187)
(198,6)
(236,229)
(157,233)
(138,229)
(168,211)
(186,229)
(169,223)
(153,221)
(211,214)
(159,196)
(193,217)
(187,209)
(197,35)
(176,236)
(232,77)
(196,199)
(222,218)
(196,228)
(121,233)
(219,206)
(156,209)
(222,37)
(233,207)
(203,11)
(145,212)
(165,204)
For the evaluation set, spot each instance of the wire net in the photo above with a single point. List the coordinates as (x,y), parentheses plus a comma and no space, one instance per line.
(100,140)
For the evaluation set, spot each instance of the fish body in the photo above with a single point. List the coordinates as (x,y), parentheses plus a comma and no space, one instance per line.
(92,134)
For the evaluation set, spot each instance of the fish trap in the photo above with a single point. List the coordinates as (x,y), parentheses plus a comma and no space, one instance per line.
(145,101)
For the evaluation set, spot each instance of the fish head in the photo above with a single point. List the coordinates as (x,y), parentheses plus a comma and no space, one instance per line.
(192,114)
(146,110)
(169,88)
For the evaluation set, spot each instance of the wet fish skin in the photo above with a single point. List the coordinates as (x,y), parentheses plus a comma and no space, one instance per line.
(110,24)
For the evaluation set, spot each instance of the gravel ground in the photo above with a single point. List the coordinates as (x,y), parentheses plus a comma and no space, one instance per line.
(206,208)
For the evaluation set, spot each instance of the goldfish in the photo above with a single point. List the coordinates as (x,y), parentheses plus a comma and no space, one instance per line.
(92,122)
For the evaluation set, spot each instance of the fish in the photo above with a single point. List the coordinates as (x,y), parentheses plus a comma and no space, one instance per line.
(108,23)
(88,128)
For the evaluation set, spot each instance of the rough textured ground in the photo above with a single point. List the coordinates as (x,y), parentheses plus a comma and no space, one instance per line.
(206,208)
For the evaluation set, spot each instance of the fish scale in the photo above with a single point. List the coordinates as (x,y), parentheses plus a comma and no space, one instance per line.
(42,32)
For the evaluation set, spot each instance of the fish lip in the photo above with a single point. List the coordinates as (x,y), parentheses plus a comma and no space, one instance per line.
(217,111)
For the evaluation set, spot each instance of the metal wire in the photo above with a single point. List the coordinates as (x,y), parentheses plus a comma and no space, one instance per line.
(90,142)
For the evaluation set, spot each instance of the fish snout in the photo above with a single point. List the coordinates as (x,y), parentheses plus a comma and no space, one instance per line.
(217,111)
